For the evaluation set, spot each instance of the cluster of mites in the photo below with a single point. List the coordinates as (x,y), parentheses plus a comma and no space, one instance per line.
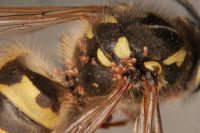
(117,69)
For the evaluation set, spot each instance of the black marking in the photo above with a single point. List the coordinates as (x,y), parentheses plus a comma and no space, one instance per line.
(152,19)
(43,101)
(107,40)
(94,74)
(173,73)
(171,41)
(13,71)
(10,75)
(49,88)
(140,37)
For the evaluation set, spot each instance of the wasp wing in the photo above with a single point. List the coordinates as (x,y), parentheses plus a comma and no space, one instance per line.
(27,19)
(95,117)
(149,120)
(33,18)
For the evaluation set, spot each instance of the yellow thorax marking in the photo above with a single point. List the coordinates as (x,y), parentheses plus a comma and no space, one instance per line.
(108,19)
(151,65)
(23,96)
(102,58)
(122,49)
(2,131)
(177,58)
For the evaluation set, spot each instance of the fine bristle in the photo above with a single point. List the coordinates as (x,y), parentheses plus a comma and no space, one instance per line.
(69,40)
(30,55)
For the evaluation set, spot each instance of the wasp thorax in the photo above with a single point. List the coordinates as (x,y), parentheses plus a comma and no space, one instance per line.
(117,48)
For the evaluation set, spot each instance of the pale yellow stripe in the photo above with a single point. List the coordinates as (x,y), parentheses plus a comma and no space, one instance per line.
(102,58)
(122,49)
(151,65)
(177,58)
(89,33)
(108,19)
(23,96)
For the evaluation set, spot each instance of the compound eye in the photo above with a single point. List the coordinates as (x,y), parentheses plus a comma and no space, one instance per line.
(153,66)
(102,58)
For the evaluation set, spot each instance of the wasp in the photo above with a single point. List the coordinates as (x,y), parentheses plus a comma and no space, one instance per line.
(121,58)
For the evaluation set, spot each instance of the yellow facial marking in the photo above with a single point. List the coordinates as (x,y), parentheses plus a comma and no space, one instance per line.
(23,96)
(2,131)
(177,58)
(122,49)
(102,58)
(108,19)
(89,33)
(153,65)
